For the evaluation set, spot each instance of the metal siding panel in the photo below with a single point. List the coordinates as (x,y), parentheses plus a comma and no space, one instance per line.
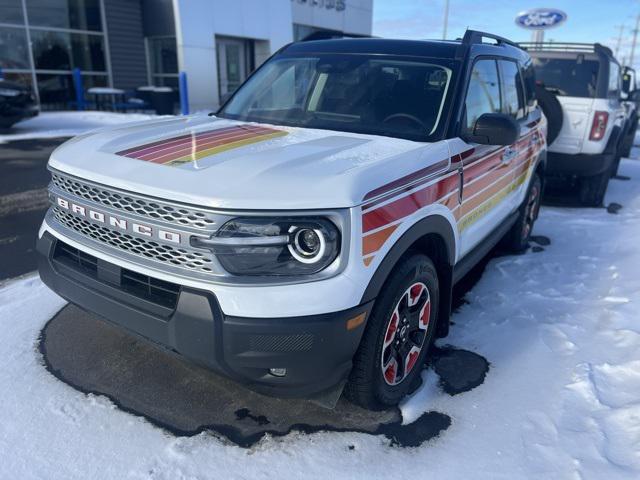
(126,43)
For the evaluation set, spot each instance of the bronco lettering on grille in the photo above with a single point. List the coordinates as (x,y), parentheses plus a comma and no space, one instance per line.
(118,223)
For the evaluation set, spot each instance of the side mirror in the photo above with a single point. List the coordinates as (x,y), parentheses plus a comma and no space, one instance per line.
(494,129)
(626,85)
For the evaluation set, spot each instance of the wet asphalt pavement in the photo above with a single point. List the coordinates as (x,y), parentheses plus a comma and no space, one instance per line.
(23,202)
(184,399)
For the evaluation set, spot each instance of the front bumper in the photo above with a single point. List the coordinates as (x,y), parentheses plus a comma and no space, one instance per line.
(316,350)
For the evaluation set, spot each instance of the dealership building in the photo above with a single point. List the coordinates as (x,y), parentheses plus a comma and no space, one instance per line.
(127,44)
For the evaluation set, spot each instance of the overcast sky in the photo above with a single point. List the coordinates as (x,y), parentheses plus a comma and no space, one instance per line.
(588,20)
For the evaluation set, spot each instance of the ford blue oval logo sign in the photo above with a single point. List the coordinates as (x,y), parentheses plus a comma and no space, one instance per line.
(541,18)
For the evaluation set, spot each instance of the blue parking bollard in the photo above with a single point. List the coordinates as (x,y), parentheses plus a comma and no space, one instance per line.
(184,93)
(77,82)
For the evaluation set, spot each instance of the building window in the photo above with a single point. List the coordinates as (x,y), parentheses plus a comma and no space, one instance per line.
(235,60)
(11,11)
(57,91)
(163,61)
(65,51)
(68,14)
(14,52)
(64,34)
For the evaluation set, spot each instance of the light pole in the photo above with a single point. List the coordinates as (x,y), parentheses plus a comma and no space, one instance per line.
(446,19)
(633,44)
(620,32)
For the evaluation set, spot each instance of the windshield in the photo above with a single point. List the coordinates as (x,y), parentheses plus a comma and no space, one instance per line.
(356,93)
(568,77)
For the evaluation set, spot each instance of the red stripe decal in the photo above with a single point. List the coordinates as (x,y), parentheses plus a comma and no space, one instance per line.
(405,206)
(400,182)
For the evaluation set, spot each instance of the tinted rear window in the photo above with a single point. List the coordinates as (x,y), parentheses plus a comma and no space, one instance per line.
(568,77)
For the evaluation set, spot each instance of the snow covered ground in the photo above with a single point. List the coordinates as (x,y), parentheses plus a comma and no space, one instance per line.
(67,124)
(561,401)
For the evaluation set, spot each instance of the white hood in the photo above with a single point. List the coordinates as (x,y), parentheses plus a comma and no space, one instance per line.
(293,168)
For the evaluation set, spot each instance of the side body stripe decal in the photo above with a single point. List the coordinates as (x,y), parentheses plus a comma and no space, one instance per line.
(487,181)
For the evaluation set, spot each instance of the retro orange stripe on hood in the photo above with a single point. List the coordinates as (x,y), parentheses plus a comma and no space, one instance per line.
(192,147)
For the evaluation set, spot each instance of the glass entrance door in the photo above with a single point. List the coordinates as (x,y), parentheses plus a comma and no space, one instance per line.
(232,65)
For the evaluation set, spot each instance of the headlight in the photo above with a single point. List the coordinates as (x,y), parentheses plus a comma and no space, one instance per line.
(275,246)
(7,92)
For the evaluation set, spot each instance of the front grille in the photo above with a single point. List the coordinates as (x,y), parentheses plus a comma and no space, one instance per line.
(83,261)
(127,202)
(142,286)
(179,257)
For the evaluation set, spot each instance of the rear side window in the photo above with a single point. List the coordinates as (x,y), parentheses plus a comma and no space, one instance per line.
(529,78)
(570,77)
(614,80)
(483,95)
(512,94)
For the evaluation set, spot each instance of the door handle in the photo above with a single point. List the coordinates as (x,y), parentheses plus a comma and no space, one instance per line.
(508,155)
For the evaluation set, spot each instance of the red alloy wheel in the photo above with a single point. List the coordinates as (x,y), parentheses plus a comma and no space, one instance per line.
(405,334)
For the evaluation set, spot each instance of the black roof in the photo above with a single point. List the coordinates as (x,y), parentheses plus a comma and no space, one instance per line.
(417,48)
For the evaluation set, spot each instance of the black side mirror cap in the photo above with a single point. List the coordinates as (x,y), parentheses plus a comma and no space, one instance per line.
(494,129)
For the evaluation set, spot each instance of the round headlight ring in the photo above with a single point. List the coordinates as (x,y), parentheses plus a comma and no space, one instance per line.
(299,251)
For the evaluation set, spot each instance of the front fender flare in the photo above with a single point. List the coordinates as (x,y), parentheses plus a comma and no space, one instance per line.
(434,224)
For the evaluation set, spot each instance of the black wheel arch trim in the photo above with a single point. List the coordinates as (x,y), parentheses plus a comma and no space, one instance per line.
(433,224)
(614,140)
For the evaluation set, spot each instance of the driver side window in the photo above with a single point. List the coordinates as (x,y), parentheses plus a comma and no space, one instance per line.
(483,95)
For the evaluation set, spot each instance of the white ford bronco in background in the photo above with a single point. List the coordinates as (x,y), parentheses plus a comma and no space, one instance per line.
(308,235)
(594,127)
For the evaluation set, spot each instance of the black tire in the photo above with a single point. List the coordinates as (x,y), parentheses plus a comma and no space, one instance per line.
(368,386)
(629,139)
(616,165)
(594,188)
(552,110)
(517,239)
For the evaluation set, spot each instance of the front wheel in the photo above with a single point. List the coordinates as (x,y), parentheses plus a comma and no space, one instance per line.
(398,335)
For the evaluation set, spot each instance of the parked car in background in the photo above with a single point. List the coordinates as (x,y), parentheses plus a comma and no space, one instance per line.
(586,80)
(16,103)
(310,234)
(630,101)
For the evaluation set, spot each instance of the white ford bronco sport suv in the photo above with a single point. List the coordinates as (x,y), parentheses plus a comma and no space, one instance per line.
(309,234)
(593,123)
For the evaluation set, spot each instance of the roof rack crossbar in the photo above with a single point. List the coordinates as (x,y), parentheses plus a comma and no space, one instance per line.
(475,36)
(566,47)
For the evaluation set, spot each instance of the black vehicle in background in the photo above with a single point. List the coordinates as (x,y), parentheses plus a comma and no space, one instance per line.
(16,103)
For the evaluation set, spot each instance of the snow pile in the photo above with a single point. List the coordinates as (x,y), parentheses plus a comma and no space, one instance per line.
(562,398)
(67,124)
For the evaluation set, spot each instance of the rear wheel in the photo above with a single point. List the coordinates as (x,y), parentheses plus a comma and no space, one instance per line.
(399,333)
(517,239)
(593,189)
(616,164)
(629,139)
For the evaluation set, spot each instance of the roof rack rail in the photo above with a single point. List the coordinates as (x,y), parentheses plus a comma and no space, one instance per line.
(566,47)
(328,35)
(475,36)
